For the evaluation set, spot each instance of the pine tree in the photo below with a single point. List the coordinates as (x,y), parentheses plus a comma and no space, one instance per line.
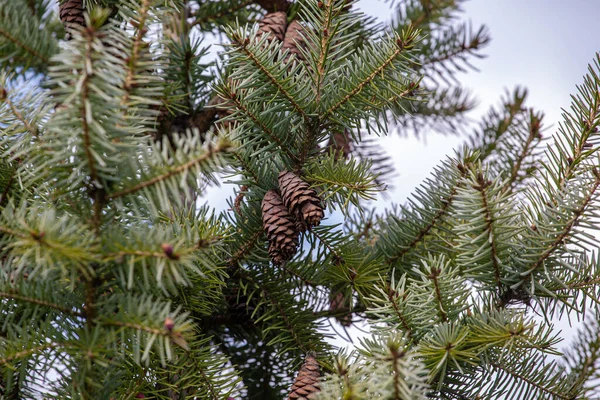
(116,283)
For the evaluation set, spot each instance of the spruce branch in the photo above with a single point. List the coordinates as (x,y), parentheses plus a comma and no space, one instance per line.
(386,55)
(33,300)
(401,237)
(509,140)
(392,294)
(237,98)
(574,143)
(549,381)
(30,351)
(582,358)
(282,317)
(526,150)
(439,108)
(140,21)
(31,129)
(211,153)
(22,43)
(447,51)
(327,36)
(245,249)
(261,56)
(41,241)
(484,212)
(559,238)
(210,15)
(344,182)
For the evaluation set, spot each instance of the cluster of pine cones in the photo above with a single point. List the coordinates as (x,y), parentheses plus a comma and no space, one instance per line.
(286,216)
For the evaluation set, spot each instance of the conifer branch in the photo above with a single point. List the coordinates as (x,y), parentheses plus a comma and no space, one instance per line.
(324,44)
(21,45)
(279,308)
(133,58)
(85,111)
(210,153)
(207,381)
(586,118)
(137,327)
(32,300)
(244,44)
(443,211)
(246,166)
(398,374)
(402,44)
(221,13)
(33,350)
(465,48)
(529,381)
(30,128)
(393,297)
(433,276)
(294,274)
(534,132)
(561,236)
(337,256)
(260,124)
(488,216)
(244,249)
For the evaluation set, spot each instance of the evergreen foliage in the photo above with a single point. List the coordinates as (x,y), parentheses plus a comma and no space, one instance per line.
(116,283)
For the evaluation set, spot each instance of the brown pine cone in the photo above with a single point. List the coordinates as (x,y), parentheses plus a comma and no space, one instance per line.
(274,25)
(294,40)
(339,143)
(303,202)
(338,302)
(306,384)
(280,228)
(71,15)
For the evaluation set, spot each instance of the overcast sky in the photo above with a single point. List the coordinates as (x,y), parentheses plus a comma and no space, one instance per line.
(544,45)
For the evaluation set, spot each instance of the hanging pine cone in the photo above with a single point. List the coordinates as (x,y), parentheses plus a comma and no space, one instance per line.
(303,202)
(307,382)
(280,228)
(274,25)
(71,15)
(339,143)
(338,302)
(294,40)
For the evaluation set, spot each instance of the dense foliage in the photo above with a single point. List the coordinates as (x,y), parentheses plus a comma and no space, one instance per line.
(116,282)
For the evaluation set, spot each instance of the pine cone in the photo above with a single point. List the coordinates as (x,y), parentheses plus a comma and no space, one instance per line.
(339,143)
(274,25)
(337,301)
(294,40)
(280,228)
(303,202)
(307,382)
(71,15)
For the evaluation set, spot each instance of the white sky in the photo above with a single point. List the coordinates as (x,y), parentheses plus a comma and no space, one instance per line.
(544,45)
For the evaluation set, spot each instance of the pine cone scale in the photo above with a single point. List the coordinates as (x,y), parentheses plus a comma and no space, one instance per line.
(302,201)
(274,25)
(306,385)
(280,228)
(71,15)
